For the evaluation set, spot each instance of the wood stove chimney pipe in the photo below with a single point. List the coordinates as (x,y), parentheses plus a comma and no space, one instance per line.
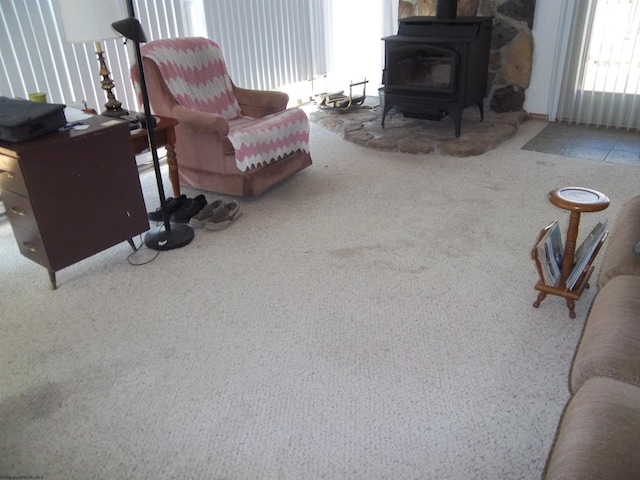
(446,9)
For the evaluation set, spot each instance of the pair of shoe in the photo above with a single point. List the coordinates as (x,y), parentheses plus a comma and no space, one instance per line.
(171,205)
(190,207)
(180,209)
(217,215)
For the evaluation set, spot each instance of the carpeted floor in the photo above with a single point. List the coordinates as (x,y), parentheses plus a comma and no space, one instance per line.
(371,318)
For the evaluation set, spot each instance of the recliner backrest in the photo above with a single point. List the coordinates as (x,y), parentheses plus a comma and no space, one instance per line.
(195,72)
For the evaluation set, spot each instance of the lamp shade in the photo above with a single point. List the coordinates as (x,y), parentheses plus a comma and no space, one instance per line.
(90,20)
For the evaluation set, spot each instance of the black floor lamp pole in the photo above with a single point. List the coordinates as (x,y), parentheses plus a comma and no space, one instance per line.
(170,237)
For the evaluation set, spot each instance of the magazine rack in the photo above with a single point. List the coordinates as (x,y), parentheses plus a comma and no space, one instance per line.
(576,200)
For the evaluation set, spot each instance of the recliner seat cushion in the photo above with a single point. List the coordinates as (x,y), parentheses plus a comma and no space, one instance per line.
(262,140)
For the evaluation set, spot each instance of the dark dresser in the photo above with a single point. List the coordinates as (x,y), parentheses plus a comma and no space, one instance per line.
(72,194)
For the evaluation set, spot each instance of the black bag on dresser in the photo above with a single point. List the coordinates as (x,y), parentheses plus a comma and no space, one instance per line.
(22,120)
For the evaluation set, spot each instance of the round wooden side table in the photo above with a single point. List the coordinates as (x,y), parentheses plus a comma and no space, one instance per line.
(576,200)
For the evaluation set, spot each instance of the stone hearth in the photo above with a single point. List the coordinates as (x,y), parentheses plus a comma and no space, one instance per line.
(361,125)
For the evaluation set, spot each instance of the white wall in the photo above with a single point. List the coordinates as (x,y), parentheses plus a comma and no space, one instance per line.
(550,34)
(358,50)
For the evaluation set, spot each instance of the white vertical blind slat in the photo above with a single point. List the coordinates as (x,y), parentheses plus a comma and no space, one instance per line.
(268,43)
(9,55)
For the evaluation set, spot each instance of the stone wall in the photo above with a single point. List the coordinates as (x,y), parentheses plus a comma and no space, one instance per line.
(511,45)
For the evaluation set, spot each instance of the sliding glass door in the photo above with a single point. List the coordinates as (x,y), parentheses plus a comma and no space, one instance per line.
(601,84)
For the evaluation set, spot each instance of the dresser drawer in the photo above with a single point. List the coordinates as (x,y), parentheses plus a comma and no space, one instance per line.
(11,176)
(30,245)
(19,210)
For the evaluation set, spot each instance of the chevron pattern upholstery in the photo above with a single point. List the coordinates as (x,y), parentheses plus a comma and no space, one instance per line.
(195,73)
(258,141)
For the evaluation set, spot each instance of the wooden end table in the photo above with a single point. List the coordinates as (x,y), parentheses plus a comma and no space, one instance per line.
(165,136)
(576,200)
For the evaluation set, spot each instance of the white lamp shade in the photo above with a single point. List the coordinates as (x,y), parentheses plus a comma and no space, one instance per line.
(90,20)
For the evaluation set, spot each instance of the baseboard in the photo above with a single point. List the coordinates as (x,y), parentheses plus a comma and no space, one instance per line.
(538,116)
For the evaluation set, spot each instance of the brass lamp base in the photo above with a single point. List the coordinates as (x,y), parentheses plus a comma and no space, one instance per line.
(117,113)
(113,108)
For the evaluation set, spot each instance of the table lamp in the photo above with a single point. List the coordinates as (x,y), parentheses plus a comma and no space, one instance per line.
(172,236)
(90,21)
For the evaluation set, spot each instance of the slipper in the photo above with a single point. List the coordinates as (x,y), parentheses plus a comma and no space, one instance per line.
(199,219)
(224,216)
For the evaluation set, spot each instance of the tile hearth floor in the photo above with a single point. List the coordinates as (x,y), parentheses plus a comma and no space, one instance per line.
(589,143)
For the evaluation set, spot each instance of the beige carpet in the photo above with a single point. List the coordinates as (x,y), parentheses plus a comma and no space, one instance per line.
(371,318)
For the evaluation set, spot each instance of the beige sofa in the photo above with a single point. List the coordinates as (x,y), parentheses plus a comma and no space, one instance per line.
(599,434)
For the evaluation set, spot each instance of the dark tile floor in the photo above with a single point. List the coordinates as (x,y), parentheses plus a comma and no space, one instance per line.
(589,143)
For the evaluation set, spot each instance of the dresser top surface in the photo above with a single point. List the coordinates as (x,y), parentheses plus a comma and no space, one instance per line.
(95,124)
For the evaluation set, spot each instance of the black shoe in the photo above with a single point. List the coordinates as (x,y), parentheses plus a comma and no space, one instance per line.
(188,209)
(172,205)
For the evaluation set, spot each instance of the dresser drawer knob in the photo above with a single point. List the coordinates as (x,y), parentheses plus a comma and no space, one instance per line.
(18,211)
(30,247)
(7,175)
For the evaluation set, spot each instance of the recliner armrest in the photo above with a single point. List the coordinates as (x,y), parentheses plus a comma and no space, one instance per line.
(259,103)
(201,122)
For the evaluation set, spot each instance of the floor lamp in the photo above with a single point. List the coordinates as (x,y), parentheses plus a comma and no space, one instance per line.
(171,236)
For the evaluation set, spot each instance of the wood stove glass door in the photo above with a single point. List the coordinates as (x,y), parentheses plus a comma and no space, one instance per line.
(423,68)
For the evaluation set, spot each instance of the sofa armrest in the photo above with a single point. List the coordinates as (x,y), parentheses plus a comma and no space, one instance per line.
(598,436)
(259,103)
(201,122)
(619,256)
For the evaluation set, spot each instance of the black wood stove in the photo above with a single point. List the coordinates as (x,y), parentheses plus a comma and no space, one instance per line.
(436,67)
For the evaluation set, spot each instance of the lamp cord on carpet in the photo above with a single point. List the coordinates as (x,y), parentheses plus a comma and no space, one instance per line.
(131,258)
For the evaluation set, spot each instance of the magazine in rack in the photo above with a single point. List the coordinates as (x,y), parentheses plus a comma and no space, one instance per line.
(584,253)
(549,252)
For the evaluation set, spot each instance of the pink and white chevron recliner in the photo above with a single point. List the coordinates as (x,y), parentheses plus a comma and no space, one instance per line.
(229,140)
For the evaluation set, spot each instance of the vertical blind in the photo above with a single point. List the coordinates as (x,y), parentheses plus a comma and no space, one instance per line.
(267,44)
(36,56)
(601,85)
(283,41)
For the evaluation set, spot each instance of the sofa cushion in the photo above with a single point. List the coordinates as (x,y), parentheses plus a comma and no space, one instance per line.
(619,257)
(610,344)
(599,434)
